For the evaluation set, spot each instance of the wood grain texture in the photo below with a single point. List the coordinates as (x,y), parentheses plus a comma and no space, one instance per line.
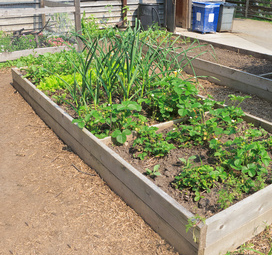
(56,4)
(239,223)
(19,12)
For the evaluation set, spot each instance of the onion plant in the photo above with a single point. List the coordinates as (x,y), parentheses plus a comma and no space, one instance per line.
(124,66)
(89,88)
(131,61)
(108,62)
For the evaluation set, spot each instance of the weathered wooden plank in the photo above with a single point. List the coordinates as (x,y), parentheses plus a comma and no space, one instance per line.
(134,8)
(129,2)
(250,215)
(258,122)
(42,5)
(100,3)
(104,15)
(30,26)
(77,19)
(241,235)
(19,21)
(16,2)
(101,9)
(166,207)
(107,20)
(266,74)
(18,12)
(49,3)
(239,80)
(5,56)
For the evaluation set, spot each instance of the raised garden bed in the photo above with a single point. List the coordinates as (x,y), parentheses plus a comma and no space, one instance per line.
(233,78)
(252,75)
(224,231)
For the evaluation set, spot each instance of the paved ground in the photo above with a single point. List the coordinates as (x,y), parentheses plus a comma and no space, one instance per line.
(246,34)
(258,32)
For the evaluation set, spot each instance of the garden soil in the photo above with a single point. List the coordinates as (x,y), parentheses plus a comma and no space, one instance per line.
(51,202)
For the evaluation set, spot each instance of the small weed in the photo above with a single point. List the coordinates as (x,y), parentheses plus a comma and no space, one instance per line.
(153,173)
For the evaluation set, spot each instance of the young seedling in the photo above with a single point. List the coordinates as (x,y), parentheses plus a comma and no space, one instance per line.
(153,173)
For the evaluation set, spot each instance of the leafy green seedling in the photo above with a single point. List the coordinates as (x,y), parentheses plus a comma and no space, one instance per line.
(153,173)
(121,136)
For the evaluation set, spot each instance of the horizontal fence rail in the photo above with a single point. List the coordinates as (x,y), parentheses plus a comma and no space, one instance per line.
(254,8)
(30,15)
(27,14)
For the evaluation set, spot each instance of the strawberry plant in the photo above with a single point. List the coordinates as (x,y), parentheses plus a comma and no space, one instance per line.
(198,178)
(117,120)
(149,143)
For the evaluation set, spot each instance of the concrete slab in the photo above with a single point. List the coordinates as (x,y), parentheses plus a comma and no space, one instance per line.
(246,34)
(255,31)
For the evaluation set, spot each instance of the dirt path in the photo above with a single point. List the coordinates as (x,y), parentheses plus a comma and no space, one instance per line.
(47,206)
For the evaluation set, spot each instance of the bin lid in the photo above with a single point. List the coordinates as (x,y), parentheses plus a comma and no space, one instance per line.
(207,4)
(229,4)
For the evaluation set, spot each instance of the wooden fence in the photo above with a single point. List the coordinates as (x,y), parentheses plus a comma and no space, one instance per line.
(106,12)
(46,7)
(32,22)
(111,11)
(254,8)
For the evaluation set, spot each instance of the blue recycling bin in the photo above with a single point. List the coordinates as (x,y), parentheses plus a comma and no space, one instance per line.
(205,16)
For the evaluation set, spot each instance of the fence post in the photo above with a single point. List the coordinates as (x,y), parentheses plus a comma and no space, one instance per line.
(78,23)
(124,11)
(43,15)
(246,11)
